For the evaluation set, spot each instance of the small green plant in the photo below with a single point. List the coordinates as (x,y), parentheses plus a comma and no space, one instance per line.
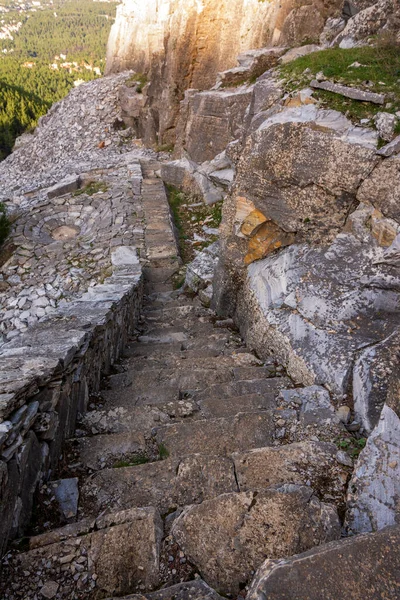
(162,451)
(138,459)
(5,224)
(351,445)
(92,188)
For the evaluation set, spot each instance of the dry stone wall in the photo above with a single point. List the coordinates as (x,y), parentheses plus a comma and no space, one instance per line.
(70,282)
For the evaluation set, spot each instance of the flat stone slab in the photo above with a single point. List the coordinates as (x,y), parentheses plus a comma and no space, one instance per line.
(218,436)
(113,554)
(166,484)
(305,463)
(227,538)
(190,590)
(365,566)
(349,92)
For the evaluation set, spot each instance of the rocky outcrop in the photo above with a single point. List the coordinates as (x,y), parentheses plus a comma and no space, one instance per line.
(227,537)
(182,44)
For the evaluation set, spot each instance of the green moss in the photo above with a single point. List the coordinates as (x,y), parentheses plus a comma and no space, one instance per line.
(139,459)
(380,68)
(5,224)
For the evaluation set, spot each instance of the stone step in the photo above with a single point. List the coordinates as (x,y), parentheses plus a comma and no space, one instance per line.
(166,484)
(213,345)
(100,451)
(95,558)
(228,537)
(167,385)
(221,436)
(181,360)
(120,419)
(191,590)
(242,388)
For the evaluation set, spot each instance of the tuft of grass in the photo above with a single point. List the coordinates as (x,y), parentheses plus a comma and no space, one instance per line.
(5,224)
(379,72)
(92,188)
(163,453)
(139,459)
(190,214)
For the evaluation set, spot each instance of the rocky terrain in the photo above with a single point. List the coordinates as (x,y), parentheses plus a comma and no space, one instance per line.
(191,411)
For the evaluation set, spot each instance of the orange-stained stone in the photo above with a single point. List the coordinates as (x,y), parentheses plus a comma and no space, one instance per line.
(269,237)
(252,222)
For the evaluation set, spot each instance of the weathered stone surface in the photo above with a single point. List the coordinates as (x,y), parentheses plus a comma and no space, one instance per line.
(294,53)
(381,16)
(67,495)
(385,124)
(217,436)
(373,500)
(391,148)
(335,571)
(298,150)
(228,538)
(210,120)
(66,186)
(294,296)
(382,188)
(305,463)
(371,379)
(349,92)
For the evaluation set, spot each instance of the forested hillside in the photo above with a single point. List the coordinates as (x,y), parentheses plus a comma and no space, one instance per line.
(44,52)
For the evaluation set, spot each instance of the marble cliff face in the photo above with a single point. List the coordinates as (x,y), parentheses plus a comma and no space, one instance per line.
(183,44)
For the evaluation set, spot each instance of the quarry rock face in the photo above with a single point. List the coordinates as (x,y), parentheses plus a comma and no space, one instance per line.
(182,44)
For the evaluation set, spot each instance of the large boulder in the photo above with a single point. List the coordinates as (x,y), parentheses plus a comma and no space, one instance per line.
(365,566)
(227,538)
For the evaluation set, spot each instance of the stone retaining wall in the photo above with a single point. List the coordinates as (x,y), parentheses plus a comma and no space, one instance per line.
(46,377)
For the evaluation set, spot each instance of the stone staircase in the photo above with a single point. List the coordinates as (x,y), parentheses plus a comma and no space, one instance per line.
(183,481)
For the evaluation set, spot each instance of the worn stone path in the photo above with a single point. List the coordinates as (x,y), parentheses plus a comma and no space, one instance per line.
(183,479)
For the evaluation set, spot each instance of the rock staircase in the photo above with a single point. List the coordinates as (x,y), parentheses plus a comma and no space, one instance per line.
(183,481)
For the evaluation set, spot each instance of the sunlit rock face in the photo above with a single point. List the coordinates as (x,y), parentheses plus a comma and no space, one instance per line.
(182,44)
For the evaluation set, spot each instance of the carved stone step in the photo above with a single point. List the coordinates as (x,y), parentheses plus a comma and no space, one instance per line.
(166,484)
(218,436)
(112,554)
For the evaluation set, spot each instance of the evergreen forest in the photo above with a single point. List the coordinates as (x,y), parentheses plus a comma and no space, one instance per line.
(55,47)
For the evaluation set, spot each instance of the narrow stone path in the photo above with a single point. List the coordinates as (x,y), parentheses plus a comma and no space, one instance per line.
(182,476)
